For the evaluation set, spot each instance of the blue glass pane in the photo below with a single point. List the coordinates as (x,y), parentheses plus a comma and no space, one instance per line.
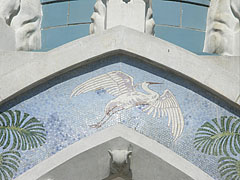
(52,38)
(165,12)
(81,11)
(188,39)
(194,16)
(54,14)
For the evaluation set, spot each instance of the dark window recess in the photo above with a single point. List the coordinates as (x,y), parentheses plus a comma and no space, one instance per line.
(189,2)
(56,1)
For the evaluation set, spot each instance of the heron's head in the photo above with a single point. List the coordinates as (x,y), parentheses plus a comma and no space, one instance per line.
(149,83)
(145,84)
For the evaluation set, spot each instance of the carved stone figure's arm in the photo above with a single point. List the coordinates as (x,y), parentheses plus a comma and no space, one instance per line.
(27,25)
(235,7)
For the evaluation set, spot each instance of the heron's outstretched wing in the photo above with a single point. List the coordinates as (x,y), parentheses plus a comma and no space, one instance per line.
(166,105)
(115,83)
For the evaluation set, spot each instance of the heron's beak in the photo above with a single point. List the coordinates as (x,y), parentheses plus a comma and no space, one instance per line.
(154,83)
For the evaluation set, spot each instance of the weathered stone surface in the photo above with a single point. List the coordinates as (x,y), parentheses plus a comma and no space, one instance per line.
(98,17)
(24,18)
(7,41)
(223,29)
(120,164)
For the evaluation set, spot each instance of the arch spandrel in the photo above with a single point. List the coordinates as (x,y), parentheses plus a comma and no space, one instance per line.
(68,119)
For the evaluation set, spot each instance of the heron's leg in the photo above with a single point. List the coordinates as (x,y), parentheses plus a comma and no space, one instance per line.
(99,124)
(104,120)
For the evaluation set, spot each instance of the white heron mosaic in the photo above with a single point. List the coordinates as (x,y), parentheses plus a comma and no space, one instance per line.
(121,86)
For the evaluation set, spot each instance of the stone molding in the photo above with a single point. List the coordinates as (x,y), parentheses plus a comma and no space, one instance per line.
(41,171)
(28,69)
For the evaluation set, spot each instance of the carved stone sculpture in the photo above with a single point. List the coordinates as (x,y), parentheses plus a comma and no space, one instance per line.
(98,17)
(7,37)
(120,164)
(223,28)
(136,14)
(150,24)
(24,17)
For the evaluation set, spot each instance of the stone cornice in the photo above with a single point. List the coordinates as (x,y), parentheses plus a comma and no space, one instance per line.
(20,71)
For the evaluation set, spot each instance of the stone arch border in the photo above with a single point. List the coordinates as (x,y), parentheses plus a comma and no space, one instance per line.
(43,170)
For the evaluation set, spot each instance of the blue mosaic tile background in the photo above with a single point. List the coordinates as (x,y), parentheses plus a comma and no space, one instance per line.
(67,120)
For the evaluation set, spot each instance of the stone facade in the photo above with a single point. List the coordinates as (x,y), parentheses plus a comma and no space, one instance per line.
(63,110)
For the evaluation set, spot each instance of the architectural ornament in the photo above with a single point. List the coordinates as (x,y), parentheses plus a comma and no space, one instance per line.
(120,164)
(135,14)
(24,17)
(223,28)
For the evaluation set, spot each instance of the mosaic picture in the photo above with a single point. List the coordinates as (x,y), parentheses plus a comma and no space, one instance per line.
(19,132)
(155,102)
(121,85)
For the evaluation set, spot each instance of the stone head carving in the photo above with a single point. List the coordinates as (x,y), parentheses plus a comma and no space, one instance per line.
(136,14)
(150,24)
(98,17)
(9,9)
(120,163)
(24,17)
(223,28)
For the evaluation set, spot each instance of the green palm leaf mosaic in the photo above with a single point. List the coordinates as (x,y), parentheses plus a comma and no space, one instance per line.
(9,162)
(219,137)
(20,131)
(229,168)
